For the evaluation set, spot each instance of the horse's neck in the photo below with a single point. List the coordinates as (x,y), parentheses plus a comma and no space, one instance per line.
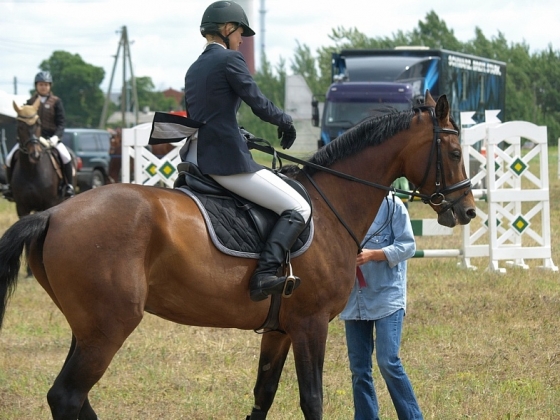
(356,203)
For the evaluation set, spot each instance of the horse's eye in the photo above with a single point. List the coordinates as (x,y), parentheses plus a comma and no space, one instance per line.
(456,155)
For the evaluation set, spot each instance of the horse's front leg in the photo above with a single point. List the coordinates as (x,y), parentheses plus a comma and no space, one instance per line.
(274,350)
(309,339)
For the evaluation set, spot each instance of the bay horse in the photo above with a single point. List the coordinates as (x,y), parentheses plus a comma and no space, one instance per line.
(35,180)
(153,254)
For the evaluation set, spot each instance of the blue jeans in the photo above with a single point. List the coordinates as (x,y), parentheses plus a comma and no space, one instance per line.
(360,342)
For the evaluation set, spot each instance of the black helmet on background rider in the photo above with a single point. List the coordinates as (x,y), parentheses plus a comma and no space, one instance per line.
(43,76)
(221,12)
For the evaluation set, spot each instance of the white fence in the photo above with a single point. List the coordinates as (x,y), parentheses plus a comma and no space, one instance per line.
(148,168)
(517,225)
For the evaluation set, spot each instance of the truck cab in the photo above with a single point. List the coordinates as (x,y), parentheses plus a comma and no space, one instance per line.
(347,104)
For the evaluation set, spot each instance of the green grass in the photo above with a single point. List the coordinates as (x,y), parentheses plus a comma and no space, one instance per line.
(476,345)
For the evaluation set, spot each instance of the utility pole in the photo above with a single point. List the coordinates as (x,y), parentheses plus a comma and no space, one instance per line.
(125,97)
(15,85)
(262,12)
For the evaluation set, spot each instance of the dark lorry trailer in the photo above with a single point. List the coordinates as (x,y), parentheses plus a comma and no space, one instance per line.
(366,80)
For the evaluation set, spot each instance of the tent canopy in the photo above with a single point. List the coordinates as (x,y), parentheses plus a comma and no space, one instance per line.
(6,106)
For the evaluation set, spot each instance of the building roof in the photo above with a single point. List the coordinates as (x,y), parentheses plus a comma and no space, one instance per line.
(175,94)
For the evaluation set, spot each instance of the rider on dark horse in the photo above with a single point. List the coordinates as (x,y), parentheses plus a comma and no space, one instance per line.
(215,85)
(51,114)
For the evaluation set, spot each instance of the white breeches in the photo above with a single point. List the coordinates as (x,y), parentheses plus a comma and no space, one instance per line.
(64,153)
(267,190)
(62,150)
(10,155)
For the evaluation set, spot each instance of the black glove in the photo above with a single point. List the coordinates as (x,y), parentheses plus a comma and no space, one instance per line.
(288,136)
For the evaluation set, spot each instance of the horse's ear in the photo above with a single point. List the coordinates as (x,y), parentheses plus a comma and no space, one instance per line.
(37,103)
(428,100)
(16,107)
(442,110)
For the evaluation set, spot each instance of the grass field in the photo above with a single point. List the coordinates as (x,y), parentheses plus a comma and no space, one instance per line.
(476,345)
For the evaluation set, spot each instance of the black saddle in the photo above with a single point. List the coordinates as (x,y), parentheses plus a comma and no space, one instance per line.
(238,226)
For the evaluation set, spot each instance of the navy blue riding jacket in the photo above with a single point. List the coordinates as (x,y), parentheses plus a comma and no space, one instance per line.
(215,85)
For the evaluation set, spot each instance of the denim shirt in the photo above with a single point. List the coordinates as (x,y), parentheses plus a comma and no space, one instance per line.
(385,292)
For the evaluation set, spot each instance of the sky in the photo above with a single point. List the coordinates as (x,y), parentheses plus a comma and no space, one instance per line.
(165,38)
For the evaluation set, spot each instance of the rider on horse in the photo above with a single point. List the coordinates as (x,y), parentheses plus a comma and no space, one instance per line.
(51,114)
(215,85)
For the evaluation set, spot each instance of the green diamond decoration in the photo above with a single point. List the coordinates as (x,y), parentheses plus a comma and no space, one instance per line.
(498,222)
(167,169)
(151,169)
(518,166)
(520,224)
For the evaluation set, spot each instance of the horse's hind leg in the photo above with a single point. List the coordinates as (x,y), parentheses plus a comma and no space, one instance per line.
(274,350)
(86,412)
(85,365)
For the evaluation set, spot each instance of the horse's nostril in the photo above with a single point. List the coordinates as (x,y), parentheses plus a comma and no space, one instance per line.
(471,213)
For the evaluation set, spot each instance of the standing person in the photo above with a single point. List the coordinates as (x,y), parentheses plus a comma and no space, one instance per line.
(378,301)
(51,114)
(215,85)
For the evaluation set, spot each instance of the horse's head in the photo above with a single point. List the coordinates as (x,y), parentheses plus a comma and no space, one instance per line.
(29,129)
(445,181)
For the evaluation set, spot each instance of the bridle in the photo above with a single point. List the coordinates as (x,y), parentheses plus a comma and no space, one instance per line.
(436,199)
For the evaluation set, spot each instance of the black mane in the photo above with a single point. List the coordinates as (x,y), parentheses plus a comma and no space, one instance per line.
(370,132)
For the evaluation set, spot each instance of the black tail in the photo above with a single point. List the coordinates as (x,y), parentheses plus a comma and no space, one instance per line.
(20,234)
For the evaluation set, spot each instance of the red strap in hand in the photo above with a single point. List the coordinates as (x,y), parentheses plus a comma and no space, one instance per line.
(361,280)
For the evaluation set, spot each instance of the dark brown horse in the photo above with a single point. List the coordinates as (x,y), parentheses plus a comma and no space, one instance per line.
(35,179)
(152,254)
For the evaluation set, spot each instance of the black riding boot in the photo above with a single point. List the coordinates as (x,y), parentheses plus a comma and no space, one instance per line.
(68,188)
(8,195)
(265,280)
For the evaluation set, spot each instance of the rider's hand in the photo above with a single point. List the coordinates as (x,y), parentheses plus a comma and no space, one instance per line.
(54,139)
(287,135)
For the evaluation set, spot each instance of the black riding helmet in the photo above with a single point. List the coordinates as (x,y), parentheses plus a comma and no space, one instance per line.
(221,12)
(43,76)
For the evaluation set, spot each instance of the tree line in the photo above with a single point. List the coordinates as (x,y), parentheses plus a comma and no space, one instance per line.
(532,81)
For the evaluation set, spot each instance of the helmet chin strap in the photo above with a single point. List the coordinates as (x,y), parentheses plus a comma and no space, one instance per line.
(226,38)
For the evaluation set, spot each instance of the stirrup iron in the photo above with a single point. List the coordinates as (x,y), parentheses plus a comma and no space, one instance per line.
(291,282)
